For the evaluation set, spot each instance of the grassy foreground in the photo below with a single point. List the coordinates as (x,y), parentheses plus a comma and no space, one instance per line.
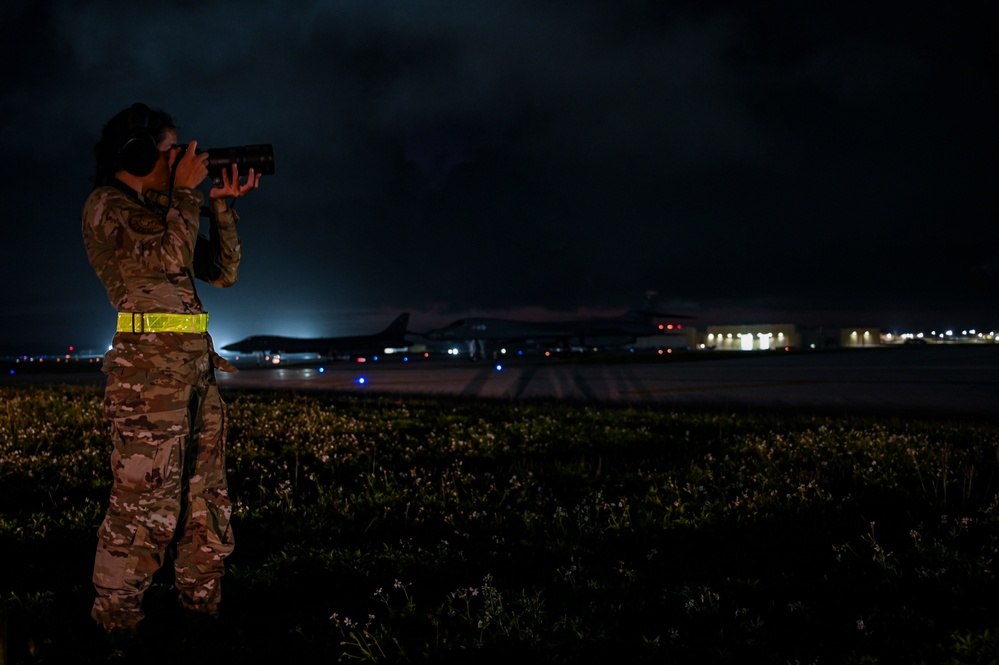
(431,530)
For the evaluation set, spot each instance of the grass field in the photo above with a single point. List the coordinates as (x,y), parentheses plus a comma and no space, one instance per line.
(446,531)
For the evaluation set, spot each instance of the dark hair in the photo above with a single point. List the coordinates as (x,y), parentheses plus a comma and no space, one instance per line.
(121,130)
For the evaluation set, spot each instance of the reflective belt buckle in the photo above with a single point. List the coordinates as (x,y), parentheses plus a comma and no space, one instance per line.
(154,322)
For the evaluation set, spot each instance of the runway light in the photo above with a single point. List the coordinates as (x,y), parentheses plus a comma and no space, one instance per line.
(361,380)
(499,367)
(322,369)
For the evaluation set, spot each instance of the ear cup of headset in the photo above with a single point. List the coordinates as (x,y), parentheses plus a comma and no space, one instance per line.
(139,151)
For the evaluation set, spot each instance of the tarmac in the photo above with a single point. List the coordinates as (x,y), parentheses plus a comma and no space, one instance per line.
(933,381)
(957,382)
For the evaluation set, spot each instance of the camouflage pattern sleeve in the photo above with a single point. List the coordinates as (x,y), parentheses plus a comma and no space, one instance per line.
(181,233)
(216,258)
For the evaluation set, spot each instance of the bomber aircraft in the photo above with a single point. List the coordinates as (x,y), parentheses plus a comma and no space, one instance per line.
(566,336)
(350,347)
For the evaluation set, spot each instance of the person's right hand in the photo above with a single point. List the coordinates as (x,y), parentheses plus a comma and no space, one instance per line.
(192,169)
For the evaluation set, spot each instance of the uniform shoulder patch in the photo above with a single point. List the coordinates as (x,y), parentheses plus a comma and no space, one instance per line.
(146,224)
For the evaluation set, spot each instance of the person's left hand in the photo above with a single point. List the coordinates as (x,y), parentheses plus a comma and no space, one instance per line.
(231,187)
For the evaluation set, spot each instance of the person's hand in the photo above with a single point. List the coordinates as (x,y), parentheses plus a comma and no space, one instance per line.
(192,168)
(231,187)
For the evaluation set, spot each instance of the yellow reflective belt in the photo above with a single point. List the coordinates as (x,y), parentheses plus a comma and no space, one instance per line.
(150,322)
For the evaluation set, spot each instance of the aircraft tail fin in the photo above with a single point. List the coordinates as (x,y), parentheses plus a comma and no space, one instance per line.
(398,327)
(651,308)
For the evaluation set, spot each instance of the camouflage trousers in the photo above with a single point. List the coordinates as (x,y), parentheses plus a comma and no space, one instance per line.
(169,492)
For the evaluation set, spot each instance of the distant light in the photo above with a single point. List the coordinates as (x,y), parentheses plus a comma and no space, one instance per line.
(520,353)
(361,380)
(669,327)
(426,354)
(661,327)
(669,350)
(322,369)
(361,360)
(276,359)
(375,358)
(660,351)
(499,368)
(405,359)
(70,347)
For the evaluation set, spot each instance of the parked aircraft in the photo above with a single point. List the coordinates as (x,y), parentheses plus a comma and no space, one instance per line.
(350,347)
(572,335)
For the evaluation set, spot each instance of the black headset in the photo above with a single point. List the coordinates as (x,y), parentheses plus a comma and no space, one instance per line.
(139,150)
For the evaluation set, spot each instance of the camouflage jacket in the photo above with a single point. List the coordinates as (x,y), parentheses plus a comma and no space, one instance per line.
(149,264)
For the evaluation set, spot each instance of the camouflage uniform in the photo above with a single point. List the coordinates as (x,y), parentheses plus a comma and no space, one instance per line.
(162,402)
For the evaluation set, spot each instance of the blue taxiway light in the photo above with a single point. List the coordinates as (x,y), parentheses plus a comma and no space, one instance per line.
(361,380)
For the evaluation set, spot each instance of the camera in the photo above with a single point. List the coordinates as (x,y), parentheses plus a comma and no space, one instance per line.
(260,158)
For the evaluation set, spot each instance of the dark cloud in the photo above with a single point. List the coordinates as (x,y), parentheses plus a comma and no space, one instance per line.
(444,157)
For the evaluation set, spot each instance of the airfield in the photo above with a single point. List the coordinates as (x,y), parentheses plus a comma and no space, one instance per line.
(933,381)
(950,381)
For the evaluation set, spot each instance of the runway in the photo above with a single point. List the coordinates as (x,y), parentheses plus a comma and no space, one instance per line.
(934,381)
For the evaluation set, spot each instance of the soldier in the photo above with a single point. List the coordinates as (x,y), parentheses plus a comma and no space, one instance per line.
(167,420)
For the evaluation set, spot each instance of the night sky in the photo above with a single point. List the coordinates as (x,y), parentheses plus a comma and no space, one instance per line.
(749,162)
